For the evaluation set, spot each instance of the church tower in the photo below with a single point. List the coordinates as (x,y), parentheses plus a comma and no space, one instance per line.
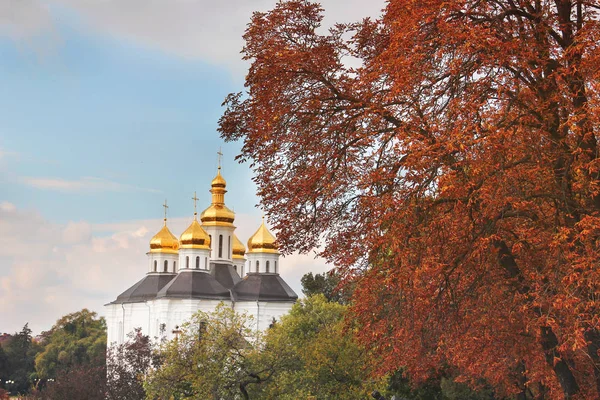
(217,220)
(194,245)
(263,255)
(164,248)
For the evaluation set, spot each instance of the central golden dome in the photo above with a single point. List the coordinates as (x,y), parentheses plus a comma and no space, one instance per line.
(262,241)
(238,248)
(217,213)
(194,237)
(164,241)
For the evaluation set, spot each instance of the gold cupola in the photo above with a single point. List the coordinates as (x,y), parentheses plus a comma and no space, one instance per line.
(217,214)
(194,237)
(164,241)
(238,249)
(262,241)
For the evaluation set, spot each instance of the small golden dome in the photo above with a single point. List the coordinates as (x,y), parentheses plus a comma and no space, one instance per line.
(262,241)
(218,181)
(194,237)
(164,241)
(217,213)
(238,248)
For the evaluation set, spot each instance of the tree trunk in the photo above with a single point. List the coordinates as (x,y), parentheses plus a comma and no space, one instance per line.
(561,369)
(593,338)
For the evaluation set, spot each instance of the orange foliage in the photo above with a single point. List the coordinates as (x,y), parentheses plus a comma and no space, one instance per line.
(446,157)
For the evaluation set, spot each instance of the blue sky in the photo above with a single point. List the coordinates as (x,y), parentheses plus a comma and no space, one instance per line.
(106,109)
(97,109)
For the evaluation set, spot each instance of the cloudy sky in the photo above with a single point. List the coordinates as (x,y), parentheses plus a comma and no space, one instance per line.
(107,107)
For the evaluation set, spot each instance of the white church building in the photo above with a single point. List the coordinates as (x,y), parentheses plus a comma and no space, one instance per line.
(207,265)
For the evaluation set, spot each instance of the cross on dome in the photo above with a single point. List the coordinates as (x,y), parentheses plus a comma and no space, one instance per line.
(195,198)
(166,207)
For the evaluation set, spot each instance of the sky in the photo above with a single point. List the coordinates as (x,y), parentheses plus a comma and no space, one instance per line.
(107,108)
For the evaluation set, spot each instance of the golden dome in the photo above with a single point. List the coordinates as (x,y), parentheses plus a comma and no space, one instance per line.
(262,241)
(217,213)
(218,180)
(164,241)
(194,237)
(238,248)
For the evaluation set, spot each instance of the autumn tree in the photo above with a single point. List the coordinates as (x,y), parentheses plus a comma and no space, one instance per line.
(75,382)
(212,358)
(127,365)
(445,155)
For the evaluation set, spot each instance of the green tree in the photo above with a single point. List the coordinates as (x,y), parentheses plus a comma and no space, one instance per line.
(313,353)
(20,353)
(76,339)
(213,358)
(327,284)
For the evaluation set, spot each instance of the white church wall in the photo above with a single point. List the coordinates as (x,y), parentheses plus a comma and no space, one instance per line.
(263,311)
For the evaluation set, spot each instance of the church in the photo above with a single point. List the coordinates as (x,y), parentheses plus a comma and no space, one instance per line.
(207,265)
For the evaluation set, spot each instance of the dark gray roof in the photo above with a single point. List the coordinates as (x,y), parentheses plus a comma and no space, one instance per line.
(146,289)
(225,274)
(263,287)
(193,284)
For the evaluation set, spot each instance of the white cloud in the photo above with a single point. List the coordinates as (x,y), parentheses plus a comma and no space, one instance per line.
(7,207)
(85,184)
(48,270)
(199,29)
(77,232)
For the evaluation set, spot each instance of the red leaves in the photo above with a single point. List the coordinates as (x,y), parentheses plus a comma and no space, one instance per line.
(452,174)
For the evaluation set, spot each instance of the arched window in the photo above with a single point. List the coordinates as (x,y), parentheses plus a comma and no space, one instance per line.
(257,265)
(275,266)
(166,269)
(187,261)
(174,266)
(229,247)
(205,262)
(267,267)
(220,246)
(235,267)
(155,265)
(211,245)
(242,274)
(197,262)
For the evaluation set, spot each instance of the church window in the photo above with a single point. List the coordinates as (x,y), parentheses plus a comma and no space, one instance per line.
(229,247)
(198,262)
(155,265)
(257,263)
(235,267)
(220,246)
(166,269)
(205,262)
(187,261)
(275,266)
(174,266)
(267,267)
(211,245)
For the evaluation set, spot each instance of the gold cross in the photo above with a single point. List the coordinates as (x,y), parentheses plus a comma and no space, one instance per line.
(195,200)
(219,155)
(165,206)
